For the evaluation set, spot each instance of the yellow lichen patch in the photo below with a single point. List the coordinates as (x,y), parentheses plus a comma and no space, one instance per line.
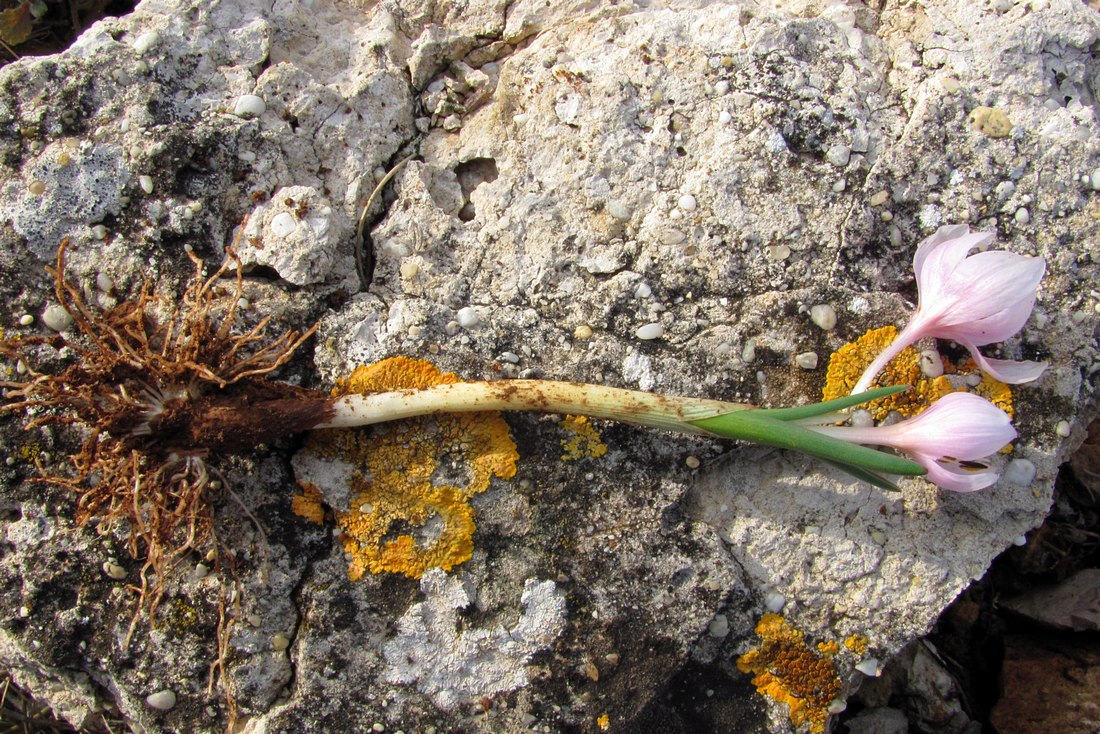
(604,722)
(411,481)
(829,648)
(857,644)
(848,363)
(585,441)
(309,504)
(787,670)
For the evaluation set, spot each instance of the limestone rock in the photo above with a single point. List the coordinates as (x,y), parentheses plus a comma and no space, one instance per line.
(707,172)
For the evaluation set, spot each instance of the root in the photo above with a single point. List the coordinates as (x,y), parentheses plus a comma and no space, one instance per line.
(132,376)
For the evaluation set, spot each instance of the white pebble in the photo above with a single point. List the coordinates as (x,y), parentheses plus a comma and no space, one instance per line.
(283,224)
(973,379)
(839,185)
(618,209)
(1019,540)
(114,570)
(837,707)
(467,317)
(870,667)
(719,626)
(280,642)
(824,316)
(161,700)
(247,156)
(931,363)
(26,320)
(643,291)
(879,198)
(748,352)
(409,269)
(1095,180)
(249,105)
(57,318)
(1062,428)
(722,87)
(146,41)
(861,418)
(778,252)
(692,462)
(774,602)
(99,232)
(201,571)
(582,332)
(650,331)
(687,203)
(807,360)
(839,155)
(1020,472)
(243,303)
(725,117)
(1022,216)
(146,183)
(511,357)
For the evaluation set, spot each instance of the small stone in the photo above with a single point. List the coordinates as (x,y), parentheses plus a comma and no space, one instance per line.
(778,253)
(582,332)
(279,642)
(283,224)
(467,317)
(991,122)
(510,357)
(57,318)
(146,183)
(931,363)
(201,571)
(249,105)
(618,209)
(1062,428)
(839,185)
(878,199)
(26,320)
(725,117)
(643,291)
(719,626)
(99,231)
(36,187)
(950,84)
(839,155)
(692,462)
(114,570)
(145,42)
(687,203)
(824,316)
(161,700)
(1094,180)
(1019,541)
(774,602)
(1020,472)
(870,667)
(1022,216)
(650,331)
(452,123)
(807,360)
(861,418)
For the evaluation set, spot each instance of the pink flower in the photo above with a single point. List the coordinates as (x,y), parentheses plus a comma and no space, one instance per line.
(947,439)
(971,299)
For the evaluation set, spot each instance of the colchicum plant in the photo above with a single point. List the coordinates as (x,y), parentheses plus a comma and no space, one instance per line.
(157,397)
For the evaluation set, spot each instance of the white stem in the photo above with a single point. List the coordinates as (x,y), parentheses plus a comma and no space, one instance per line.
(573,398)
(901,341)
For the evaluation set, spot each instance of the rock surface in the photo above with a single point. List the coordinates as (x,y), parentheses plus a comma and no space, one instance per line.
(580,173)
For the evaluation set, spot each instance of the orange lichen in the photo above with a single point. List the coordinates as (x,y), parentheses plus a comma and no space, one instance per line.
(787,670)
(604,722)
(857,644)
(848,363)
(585,441)
(309,504)
(829,648)
(411,481)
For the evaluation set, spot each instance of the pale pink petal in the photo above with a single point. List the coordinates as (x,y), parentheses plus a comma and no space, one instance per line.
(956,478)
(934,279)
(1006,370)
(961,425)
(994,328)
(928,244)
(986,284)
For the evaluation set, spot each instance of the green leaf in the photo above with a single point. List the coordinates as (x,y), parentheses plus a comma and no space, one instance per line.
(759,427)
(816,409)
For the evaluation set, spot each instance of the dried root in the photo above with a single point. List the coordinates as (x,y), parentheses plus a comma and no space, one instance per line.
(134,385)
